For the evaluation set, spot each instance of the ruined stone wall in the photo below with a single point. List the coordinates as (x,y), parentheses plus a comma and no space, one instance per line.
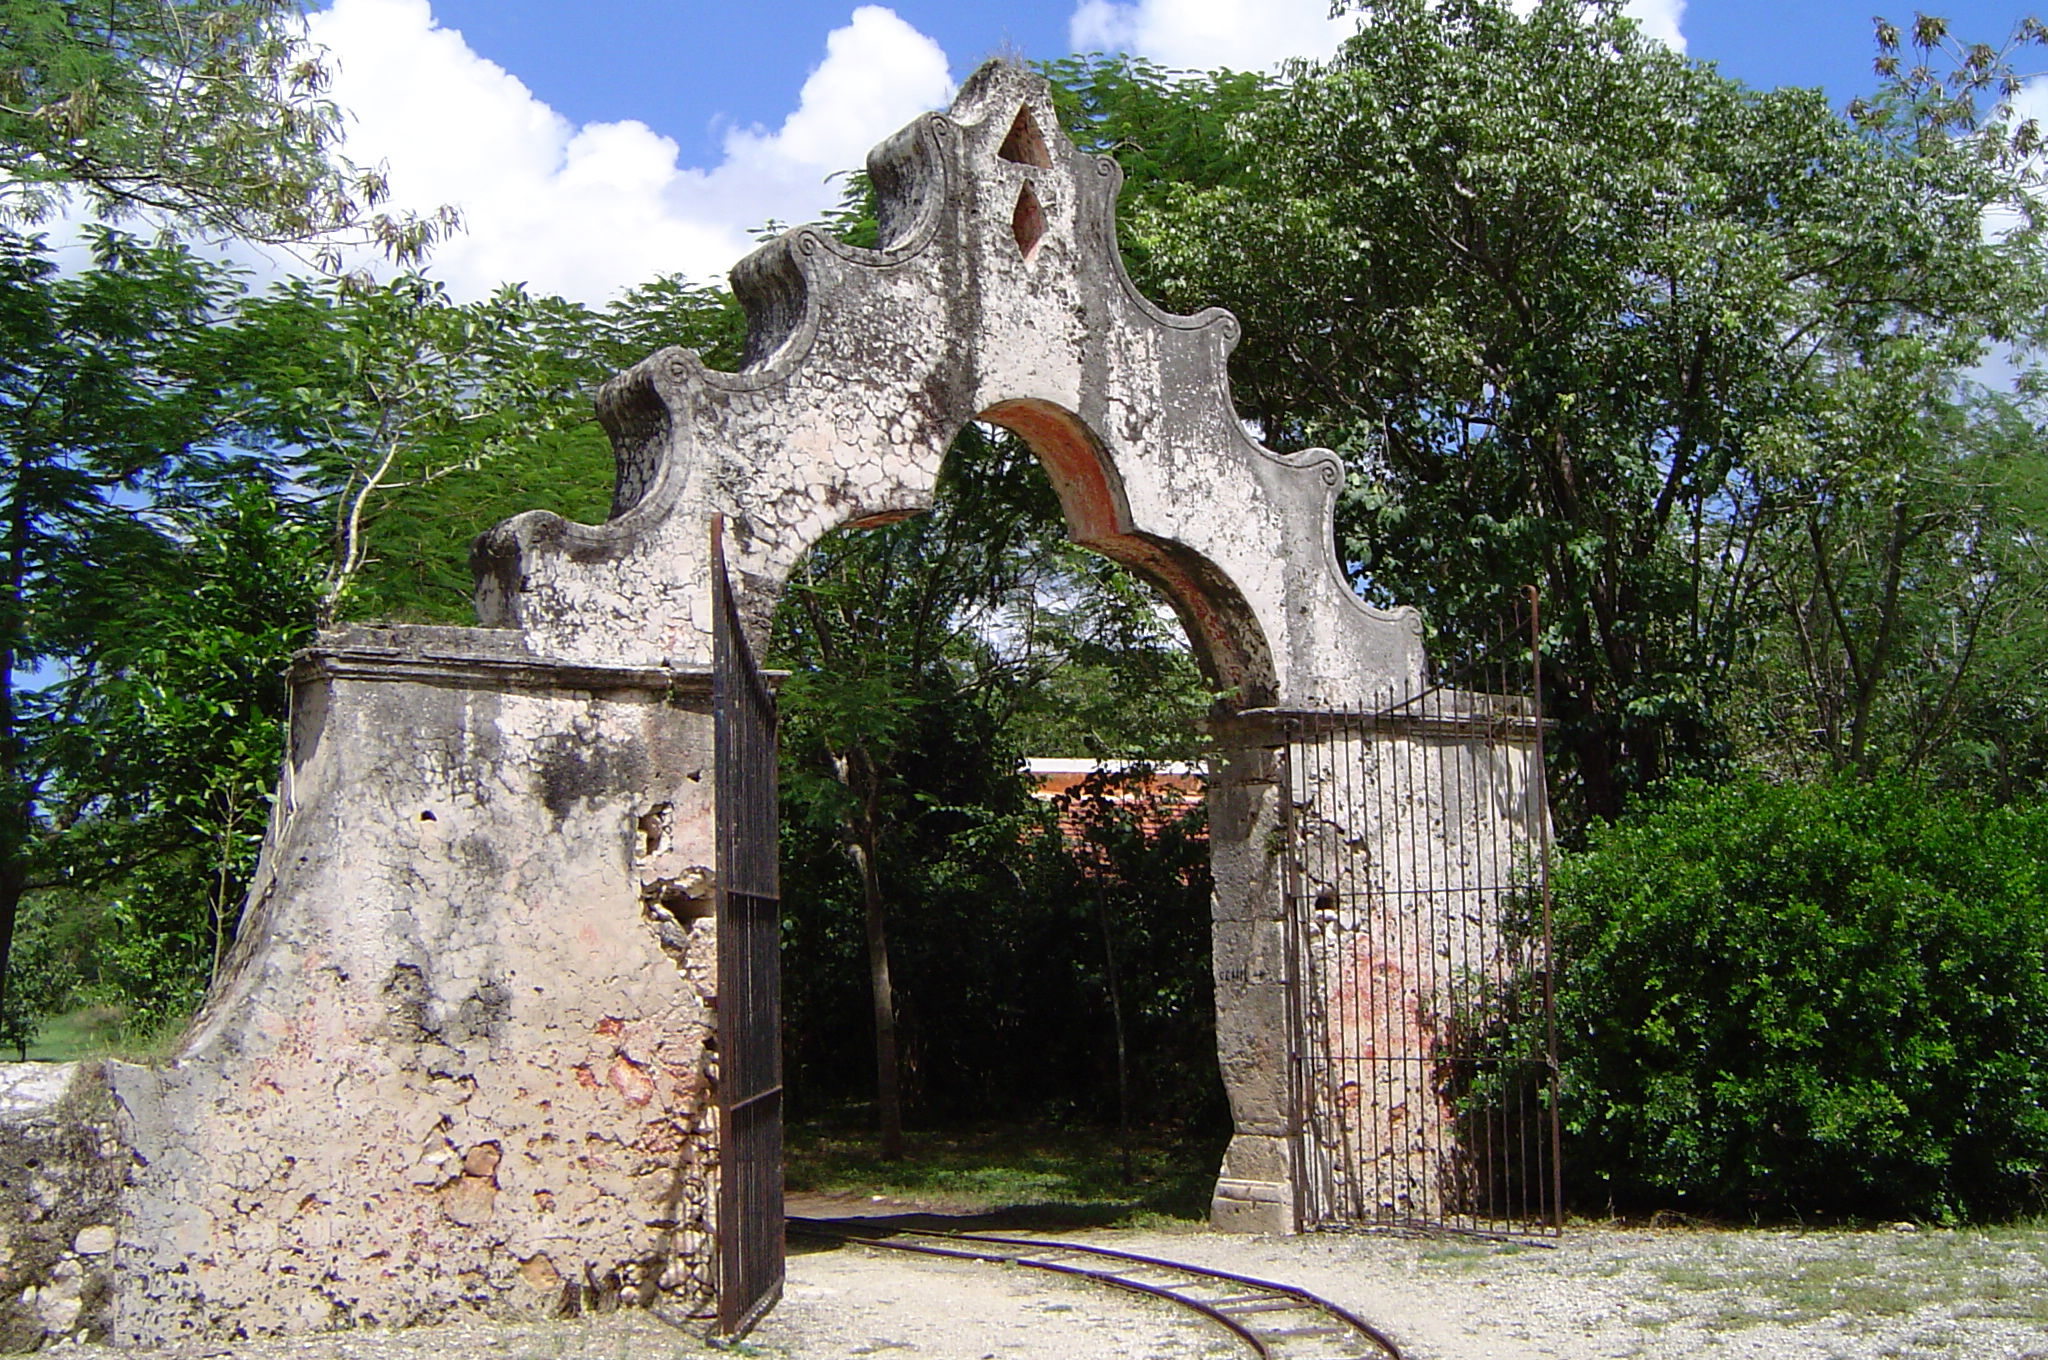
(61,1167)
(461,1056)
(996,293)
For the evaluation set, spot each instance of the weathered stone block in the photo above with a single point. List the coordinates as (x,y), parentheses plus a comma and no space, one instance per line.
(472,987)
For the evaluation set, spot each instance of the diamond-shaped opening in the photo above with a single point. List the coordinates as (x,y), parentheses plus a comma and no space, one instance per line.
(1027,224)
(1025,145)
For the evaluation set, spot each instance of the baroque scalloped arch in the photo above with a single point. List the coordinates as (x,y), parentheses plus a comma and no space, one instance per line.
(861,365)
(1221,627)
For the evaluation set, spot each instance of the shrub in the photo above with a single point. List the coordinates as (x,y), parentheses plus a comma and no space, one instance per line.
(1791,1000)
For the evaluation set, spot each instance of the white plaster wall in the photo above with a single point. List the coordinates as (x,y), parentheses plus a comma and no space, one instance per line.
(460,1059)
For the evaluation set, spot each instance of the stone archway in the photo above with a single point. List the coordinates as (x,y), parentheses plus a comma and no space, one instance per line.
(463,1054)
(996,292)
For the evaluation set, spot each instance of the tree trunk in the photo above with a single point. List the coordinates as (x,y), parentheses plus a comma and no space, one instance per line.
(888,1087)
(862,845)
(1116,1017)
(14,784)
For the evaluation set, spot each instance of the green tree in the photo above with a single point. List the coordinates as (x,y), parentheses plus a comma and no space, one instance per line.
(1135,849)
(201,115)
(44,978)
(1549,285)
(1900,553)
(383,391)
(174,702)
(207,115)
(1170,131)
(110,387)
(921,653)
(1793,999)
(480,445)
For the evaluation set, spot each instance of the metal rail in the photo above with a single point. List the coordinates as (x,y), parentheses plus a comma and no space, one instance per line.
(1277,1321)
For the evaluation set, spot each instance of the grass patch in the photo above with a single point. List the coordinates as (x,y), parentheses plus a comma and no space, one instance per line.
(1849,1277)
(1070,1173)
(103,1031)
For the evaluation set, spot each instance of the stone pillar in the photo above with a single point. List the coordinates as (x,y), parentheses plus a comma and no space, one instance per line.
(459,1057)
(1255,1190)
(61,1168)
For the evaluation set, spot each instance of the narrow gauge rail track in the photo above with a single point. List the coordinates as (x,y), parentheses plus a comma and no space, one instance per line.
(1277,1321)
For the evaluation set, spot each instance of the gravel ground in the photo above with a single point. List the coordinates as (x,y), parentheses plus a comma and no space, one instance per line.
(1672,1294)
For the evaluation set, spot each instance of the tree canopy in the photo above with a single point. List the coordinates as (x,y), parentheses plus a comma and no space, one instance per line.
(204,115)
(1582,312)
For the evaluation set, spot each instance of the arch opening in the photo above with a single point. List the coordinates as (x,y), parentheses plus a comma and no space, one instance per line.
(1228,642)
(992,1052)
(1225,636)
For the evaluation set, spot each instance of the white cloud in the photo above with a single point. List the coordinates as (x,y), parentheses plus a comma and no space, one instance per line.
(585,211)
(2000,368)
(1252,35)
(1200,35)
(2032,100)
(1659,19)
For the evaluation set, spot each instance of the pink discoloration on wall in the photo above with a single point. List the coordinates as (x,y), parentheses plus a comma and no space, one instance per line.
(630,1080)
(421,1079)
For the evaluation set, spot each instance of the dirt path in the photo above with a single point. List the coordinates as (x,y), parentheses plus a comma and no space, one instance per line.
(1602,1294)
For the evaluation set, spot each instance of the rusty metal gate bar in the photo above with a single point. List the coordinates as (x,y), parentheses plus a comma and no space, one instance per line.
(1418,929)
(750,1216)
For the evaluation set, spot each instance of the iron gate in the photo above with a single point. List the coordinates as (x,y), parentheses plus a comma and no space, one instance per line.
(750,1245)
(1419,953)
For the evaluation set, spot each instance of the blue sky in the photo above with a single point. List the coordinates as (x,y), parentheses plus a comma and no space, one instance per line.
(593,143)
(590,60)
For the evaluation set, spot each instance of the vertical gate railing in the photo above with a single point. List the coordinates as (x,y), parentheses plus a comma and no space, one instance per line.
(1419,934)
(750,1216)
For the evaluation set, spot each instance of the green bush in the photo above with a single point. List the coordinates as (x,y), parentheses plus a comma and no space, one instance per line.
(39,975)
(1779,1001)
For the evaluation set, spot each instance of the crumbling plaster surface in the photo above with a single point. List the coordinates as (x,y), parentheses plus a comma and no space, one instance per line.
(460,1057)
(997,294)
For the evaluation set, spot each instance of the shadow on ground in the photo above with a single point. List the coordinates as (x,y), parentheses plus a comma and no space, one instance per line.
(885,1221)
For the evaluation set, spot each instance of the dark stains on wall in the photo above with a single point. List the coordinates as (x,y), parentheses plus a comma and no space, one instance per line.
(575,769)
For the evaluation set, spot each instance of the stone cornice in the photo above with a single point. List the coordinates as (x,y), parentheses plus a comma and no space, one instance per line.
(485,659)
